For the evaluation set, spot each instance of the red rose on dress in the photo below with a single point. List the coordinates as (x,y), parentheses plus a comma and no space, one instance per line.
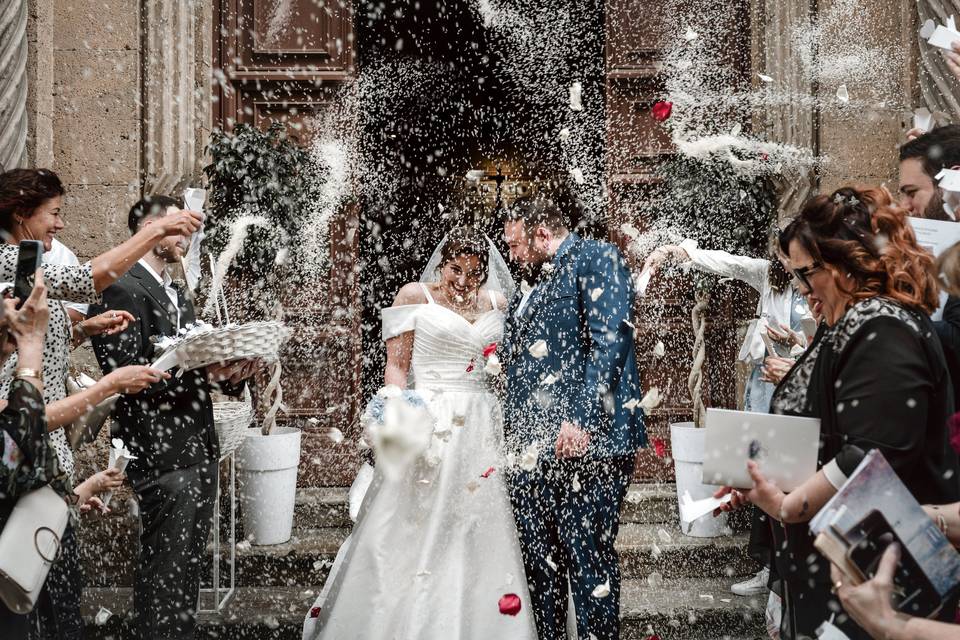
(510,604)
(315,612)
(662,110)
(486,474)
(659,447)
(489,350)
(471,366)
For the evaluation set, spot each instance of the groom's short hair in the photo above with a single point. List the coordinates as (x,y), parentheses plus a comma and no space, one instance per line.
(534,211)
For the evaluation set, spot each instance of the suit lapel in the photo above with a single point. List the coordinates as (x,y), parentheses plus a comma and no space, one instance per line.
(155,291)
(547,284)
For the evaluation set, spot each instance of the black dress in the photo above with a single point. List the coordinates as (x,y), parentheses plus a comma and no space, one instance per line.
(876,380)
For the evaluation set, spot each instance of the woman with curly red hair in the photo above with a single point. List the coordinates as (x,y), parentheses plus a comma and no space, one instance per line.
(875,376)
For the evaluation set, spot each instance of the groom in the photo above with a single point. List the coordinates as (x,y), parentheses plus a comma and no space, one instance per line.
(570,365)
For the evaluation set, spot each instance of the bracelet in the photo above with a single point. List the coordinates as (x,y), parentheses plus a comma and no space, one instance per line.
(24,372)
(942,524)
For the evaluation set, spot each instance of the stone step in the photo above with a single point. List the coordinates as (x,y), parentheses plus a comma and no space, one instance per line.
(681,609)
(320,507)
(108,543)
(644,549)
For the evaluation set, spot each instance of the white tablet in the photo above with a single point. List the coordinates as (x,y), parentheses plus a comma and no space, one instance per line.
(785,447)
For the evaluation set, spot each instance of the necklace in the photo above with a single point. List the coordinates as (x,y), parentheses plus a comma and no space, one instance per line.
(454,305)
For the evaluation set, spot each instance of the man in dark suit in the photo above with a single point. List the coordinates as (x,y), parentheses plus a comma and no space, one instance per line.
(572,392)
(169,428)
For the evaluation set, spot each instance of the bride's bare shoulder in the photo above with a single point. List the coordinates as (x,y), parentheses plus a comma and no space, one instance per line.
(410,293)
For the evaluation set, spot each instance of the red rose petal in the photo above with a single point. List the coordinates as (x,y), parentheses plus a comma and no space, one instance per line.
(662,110)
(489,350)
(471,366)
(315,612)
(510,604)
(486,474)
(660,447)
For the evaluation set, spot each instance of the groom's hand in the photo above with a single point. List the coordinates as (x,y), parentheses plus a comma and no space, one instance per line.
(572,442)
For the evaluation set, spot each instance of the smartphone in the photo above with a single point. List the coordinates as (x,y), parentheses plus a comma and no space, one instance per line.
(912,591)
(28,261)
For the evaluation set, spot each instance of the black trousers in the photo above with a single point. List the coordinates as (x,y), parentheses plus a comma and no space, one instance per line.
(175,514)
(566,529)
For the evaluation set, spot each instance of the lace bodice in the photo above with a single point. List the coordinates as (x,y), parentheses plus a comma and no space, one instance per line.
(445,344)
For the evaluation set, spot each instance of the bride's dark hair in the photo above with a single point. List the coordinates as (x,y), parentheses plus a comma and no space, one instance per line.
(466,241)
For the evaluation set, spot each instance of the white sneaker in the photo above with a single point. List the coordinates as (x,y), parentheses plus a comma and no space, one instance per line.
(753,586)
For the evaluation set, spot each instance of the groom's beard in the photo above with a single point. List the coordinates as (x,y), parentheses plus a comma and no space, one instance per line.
(531,272)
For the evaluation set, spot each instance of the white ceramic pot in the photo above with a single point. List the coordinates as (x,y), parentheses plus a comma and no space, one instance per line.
(267,467)
(687,443)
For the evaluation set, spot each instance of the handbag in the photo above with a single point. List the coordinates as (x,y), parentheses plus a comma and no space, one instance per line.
(86,428)
(29,545)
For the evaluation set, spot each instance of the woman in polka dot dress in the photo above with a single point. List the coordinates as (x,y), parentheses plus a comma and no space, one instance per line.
(30,201)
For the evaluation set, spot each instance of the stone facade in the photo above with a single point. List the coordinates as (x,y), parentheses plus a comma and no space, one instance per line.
(116,109)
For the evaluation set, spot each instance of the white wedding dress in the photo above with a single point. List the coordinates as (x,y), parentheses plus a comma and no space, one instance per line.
(433,553)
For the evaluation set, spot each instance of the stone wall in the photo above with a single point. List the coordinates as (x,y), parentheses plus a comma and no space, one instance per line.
(116,109)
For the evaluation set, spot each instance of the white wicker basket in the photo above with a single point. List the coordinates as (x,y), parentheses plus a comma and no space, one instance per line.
(231,420)
(261,340)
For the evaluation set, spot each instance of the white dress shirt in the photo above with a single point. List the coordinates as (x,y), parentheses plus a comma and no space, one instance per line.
(167,283)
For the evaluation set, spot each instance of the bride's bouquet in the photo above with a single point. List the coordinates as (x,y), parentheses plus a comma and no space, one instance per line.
(399,426)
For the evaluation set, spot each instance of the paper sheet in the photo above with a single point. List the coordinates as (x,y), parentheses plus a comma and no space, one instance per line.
(691,510)
(942,36)
(643,281)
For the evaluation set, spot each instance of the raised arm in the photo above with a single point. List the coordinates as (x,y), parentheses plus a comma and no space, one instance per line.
(753,271)
(109,266)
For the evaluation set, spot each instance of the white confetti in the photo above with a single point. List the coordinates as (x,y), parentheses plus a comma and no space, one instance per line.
(654,580)
(655,550)
(706,596)
(539,349)
(525,287)
(576,96)
(564,134)
(601,590)
(690,35)
(271,622)
(243,545)
(764,78)
(102,616)
(423,572)
(629,230)
(631,404)
(335,435)
(575,483)
(596,293)
(843,95)
(550,562)
(547,268)
(577,175)
(549,380)
(651,400)
(493,366)
(664,536)
(659,350)
(528,461)
(313,420)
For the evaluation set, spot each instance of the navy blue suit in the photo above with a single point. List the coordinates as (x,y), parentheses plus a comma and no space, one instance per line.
(567,510)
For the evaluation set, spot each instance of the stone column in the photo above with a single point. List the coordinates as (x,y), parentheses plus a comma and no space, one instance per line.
(774,53)
(13,83)
(939,90)
(176,92)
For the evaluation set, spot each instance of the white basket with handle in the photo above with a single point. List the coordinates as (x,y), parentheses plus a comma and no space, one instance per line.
(231,419)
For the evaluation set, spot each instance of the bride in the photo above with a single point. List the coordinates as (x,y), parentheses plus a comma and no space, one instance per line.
(435,556)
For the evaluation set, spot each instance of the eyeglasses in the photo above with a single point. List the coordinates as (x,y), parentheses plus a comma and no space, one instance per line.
(802,274)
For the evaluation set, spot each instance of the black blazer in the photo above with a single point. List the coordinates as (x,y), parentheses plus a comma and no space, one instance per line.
(169,425)
(948,329)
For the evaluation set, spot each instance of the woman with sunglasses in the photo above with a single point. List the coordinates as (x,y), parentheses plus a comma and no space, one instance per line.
(876,378)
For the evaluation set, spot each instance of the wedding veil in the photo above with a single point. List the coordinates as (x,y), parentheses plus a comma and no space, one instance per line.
(499,278)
